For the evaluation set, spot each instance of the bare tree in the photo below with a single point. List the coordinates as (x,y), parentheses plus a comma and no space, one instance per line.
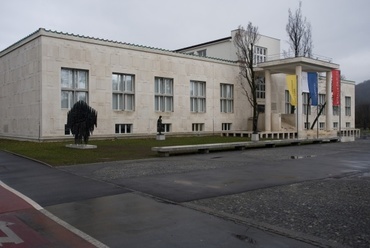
(244,41)
(299,32)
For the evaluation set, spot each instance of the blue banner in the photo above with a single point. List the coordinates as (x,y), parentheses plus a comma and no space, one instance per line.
(313,87)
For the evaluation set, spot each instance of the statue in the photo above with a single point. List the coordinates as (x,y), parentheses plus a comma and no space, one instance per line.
(160,128)
(81,120)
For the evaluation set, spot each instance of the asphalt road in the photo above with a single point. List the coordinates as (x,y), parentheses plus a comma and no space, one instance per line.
(250,198)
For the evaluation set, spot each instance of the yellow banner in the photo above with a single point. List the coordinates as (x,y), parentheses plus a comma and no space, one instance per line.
(291,83)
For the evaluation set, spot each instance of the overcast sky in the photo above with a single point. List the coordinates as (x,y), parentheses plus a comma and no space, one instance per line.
(340,28)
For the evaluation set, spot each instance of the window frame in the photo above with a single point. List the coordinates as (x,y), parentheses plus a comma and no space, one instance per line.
(226,98)
(71,90)
(127,127)
(163,94)
(198,103)
(124,92)
(347,106)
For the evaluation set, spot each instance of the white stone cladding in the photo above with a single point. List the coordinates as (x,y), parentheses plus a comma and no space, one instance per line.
(30,87)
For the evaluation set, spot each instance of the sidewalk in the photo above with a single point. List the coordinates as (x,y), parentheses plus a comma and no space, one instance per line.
(24,223)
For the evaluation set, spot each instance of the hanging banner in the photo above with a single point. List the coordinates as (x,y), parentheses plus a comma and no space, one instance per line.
(313,87)
(335,87)
(304,83)
(291,83)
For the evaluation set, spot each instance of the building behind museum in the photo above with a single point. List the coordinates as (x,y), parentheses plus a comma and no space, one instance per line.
(195,89)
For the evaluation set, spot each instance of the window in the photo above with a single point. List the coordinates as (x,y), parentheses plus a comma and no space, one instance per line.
(226,127)
(196,127)
(335,125)
(259,55)
(67,130)
(348,106)
(166,127)
(307,125)
(202,53)
(123,87)
(335,110)
(260,91)
(321,103)
(74,84)
(123,128)
(348,124)
(306,104)
(163,94)
(197,96)
(322,125)
(288,107)
(227,98)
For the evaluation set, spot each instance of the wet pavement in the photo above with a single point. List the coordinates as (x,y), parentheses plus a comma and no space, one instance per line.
(251,198)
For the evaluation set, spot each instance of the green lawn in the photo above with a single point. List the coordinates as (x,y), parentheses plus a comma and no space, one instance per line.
(55,153)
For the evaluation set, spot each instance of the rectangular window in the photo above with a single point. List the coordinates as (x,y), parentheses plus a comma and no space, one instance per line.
(335,110)
(321,103)
(123,88)
(260,91)
(322,125)
(226,126)
(202,53)
(166,127)
(288,107)
(67,131)
(74,84)
(197,127)
(307,125)
(259,55)
(348,124)
(123,128)
(335,125)
(306,106)
(163,99)
(348,106)
(197,96)
(227,98)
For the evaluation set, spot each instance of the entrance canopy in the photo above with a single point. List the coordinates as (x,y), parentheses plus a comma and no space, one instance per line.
(288,65)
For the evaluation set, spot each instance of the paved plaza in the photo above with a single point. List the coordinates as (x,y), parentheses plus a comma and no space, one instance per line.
(293,196)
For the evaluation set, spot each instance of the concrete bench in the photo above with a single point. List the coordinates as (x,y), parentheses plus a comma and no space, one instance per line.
(205,148)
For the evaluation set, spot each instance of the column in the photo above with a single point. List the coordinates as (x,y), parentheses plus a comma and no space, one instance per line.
(299,121)
(267,100)
(329,103)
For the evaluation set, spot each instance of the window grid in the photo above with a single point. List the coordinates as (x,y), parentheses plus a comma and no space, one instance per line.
(288,106)
(322,125)
(227,98)
(321,103)
(335,125)
(123,87)
(197,96)
(335,110)
(123,128)
(348,106)
(348,124)
(305,104)
(259,54)
(74,87)
(226,127)
(307,125)
(197,127)
(163,99)
(261,90)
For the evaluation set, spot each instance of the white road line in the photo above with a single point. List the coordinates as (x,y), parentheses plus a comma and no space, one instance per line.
(71,228)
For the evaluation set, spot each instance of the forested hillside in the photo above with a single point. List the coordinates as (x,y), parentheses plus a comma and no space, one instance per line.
(362,102)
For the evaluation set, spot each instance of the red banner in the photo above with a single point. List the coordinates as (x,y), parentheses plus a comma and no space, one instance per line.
(335,87)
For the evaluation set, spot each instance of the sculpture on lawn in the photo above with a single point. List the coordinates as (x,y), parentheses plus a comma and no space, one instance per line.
(81,120)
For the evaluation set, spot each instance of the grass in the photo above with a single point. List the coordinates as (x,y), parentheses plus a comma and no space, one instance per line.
(56,154)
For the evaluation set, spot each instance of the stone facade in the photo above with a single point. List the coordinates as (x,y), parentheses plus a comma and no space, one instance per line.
(31,88)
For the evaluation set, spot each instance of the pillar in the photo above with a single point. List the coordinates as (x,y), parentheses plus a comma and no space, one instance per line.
(299,121)
(267,101)
(329,103)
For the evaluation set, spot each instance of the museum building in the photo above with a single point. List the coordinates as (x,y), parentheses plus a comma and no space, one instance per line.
(195,89)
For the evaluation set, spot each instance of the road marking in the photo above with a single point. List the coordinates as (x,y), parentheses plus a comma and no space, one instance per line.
(10,237)
(72,229)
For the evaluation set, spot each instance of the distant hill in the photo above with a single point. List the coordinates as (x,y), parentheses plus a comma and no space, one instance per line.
(362,105)
(362,93)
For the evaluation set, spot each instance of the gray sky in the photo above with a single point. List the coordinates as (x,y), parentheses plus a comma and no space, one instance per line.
(340,28)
